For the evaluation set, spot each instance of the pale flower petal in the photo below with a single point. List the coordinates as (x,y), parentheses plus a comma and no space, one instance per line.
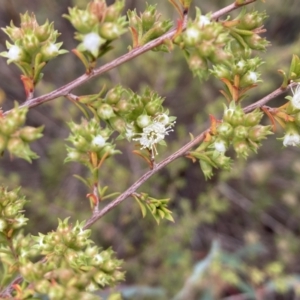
(296,97)
(291,139)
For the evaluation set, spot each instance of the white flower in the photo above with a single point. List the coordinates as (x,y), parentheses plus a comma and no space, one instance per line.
(220,146)
(52,49)
(203,21)
(92,42)
(192,34)
(296,97)
(98,141)
(154,133)
(291,139)
(14,53)
(253,76)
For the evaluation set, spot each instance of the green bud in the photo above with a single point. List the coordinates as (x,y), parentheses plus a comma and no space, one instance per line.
(82,20)
(220,71)
(123,106)
(192,36)
(206,48)
(118,124)
(153,107)
(105,111)
(30,134)
(143,121)
(31,43)
(113,11)
(44,31)
(256,42)
(197,63)
(225,130)
(113,95)
(80,143)
(110,31)
(148,17)
(253,118)
(240,132)
(259,132)
(206,168)
(241,147)
(252,20)
(219,56)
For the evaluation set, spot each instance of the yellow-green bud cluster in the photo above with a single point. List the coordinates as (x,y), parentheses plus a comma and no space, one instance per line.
(245,68)
(245,30)
(238,129)
(11,208)
(243,130)
(73,269)
(97,26)
(204,41)
(147,26)
(17,139)
(33,45)
(89,137)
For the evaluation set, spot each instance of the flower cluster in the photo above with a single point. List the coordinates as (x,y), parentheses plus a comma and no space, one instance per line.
(292,121)
(203,41)
(90,143)
(17,139)
(11,217)
(140,118)
(154,133)
(97,26)
(238,129)
(33,46)
(72,264)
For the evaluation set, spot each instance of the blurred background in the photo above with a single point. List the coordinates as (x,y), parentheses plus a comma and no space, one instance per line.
(235,236)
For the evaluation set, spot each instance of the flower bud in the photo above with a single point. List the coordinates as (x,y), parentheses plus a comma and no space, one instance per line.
(148,18)
(197,63)
(252,20)
(225,130)
(123,106)
(240,132)
(253,118)
(220,71)
(30,134)
(206,168)
(206,48)
(110,31)
(153,107)
(256,42)
(113,95)
(118,124)
(105,111)
(249,78)
(31,43)
(192,36)
(241,148)
(259,132)
(143,121)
